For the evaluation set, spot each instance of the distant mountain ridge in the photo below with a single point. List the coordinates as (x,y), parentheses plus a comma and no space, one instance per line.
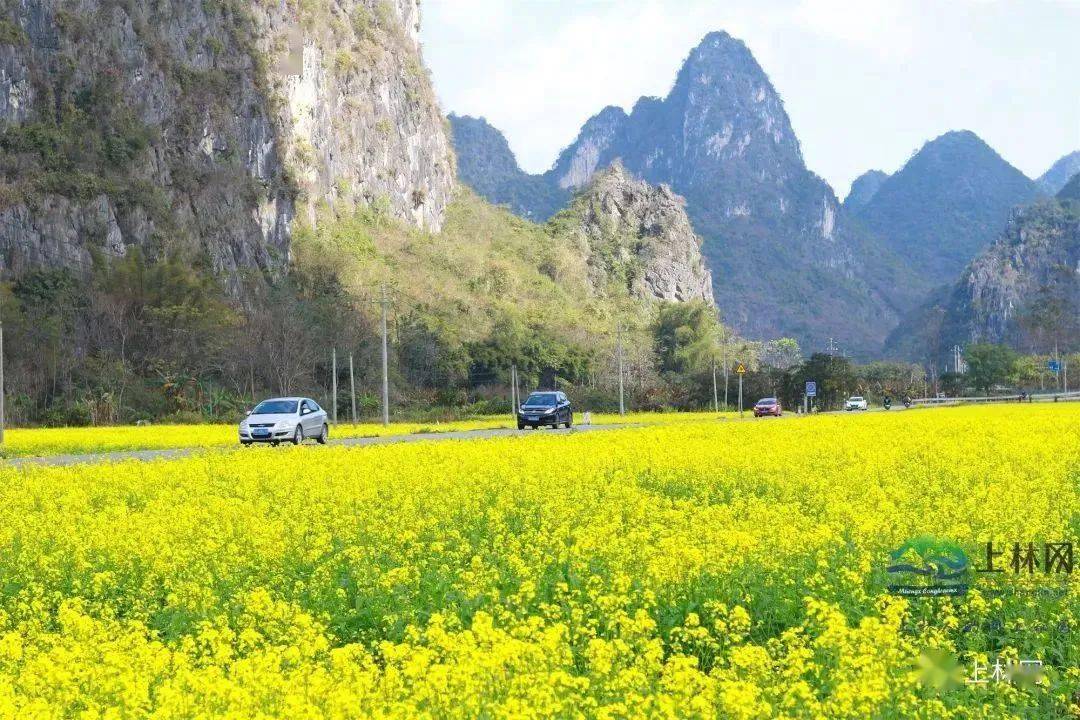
(772,229)
(486,163)
(1060,173)
(863,188)
(787,258)
(947,203)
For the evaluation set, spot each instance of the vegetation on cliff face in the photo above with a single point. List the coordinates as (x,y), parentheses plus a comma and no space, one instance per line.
(1023,291)
(124,127)
(487,165)
(1054,179)
(356,107)
(636,238)
(945,206)
(198,126)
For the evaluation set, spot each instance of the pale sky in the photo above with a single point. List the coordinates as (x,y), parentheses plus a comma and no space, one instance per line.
(865,83)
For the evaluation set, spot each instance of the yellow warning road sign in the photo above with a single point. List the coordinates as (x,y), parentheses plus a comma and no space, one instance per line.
(741,369)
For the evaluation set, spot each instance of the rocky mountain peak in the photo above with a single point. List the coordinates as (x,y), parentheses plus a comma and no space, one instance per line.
(488,147)
(863,188)
(639,236)
(1060,172)
(598,135)
(728,104)
(948,202)
(718,50)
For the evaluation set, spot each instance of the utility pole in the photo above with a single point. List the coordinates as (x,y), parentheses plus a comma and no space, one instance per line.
(385,369)
(352,389)
(517,385)
(715,397)
(622,404)
(1057,375)
(333,369)
(513,391)
(726,404)
(740,394)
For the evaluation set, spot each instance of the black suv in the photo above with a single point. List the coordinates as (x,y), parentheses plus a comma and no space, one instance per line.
(547,407)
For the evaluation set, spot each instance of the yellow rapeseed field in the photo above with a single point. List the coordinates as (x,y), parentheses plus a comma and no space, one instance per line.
(692,569)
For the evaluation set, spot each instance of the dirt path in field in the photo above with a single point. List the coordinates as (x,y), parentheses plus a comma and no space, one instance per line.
(344,442)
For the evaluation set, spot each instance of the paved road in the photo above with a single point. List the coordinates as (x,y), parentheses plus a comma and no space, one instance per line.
(346,442)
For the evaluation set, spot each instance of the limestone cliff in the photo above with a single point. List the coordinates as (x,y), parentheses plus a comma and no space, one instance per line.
(1054,179)
(638,236)
(206,124)
(360,118)
(863,189)
(1025,289)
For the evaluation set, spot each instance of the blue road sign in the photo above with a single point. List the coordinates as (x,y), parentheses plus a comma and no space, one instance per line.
(1053,365)
(811,388)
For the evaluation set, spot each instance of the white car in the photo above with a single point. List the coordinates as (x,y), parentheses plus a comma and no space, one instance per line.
(856,402)
(288,419)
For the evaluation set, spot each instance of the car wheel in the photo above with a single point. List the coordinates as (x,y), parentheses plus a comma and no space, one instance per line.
(569,421)
(521,426)
(324,435)
(245,443)
(298,436)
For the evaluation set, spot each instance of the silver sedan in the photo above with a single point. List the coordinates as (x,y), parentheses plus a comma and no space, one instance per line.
(288,419)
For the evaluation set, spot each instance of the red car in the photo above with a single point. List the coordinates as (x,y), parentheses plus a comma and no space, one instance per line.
(767,406)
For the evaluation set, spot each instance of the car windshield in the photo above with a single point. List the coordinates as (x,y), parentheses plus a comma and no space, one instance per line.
(542,399)
(767,401)
(856,398)
(275,407)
